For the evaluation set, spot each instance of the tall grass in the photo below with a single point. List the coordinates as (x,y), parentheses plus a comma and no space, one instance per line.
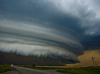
(5,68)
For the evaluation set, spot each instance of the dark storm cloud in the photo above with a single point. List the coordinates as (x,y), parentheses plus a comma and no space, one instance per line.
(91,42)
(40,10)
(42,26)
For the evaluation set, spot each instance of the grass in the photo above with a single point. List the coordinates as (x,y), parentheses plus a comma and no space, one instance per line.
(81,70)
(47,68)
(5,68)
(41,67)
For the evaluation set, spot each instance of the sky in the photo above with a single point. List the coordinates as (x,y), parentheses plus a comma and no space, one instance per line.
(42,27)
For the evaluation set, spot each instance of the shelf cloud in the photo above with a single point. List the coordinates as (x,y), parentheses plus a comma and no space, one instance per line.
(41,27)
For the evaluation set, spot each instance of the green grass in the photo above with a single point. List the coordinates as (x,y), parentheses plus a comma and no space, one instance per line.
(5,68)
(82,70)
(47,68)
(42,67)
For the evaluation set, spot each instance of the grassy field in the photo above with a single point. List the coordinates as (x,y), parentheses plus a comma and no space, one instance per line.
(49,68)
(82,70)
(5,68)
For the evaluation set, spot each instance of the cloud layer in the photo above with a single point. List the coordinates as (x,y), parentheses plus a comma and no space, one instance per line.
(35,27)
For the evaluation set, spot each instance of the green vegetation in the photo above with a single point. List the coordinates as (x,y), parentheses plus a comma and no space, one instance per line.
(48,68)
(5,68)
(42,67)
(82,70)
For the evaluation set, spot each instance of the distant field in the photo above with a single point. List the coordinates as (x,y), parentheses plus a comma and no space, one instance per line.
(62,69)
(81,70)
(84,70)
(5,68)
(48,67)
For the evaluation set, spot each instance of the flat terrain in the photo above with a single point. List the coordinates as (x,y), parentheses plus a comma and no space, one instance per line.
(81,70)
(22,70)
(6,69)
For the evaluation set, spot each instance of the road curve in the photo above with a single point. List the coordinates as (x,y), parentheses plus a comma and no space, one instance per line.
(23,70)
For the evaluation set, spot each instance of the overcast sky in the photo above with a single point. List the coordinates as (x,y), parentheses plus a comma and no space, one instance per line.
(65,27)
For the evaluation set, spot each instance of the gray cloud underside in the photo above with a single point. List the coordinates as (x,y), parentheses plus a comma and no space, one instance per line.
(36,35)
(47,26)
